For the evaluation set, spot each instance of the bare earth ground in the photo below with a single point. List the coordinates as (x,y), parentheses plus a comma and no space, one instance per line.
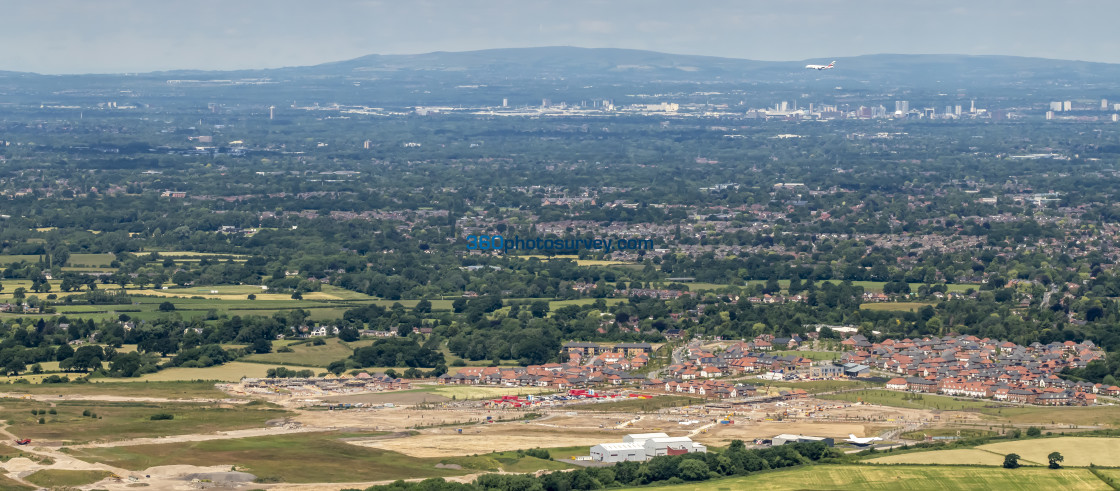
(435,426)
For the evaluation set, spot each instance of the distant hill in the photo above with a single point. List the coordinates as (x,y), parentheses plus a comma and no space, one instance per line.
(606,64)
(431,77)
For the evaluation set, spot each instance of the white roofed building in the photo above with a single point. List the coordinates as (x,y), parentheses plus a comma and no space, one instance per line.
(618,452)
(644,446)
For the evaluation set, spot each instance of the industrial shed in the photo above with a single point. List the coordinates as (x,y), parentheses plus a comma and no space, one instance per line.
(618,452)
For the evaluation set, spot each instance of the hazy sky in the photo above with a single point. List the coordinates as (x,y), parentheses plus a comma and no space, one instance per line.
(105,36)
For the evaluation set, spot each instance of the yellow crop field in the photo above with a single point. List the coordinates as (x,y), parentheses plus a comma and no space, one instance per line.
(960,456)
(902,477)
(1078,451)
(229,372)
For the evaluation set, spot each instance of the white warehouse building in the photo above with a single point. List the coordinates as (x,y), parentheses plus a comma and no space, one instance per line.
(644,446)
(618,452)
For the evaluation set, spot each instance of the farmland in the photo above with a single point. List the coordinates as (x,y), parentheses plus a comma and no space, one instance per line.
(869,286)
(1078,451)
(90,420)
(992,410)
(323,457)
(170,390)
(308,354)
(960,456)
(895,306)
(228,372)
(905,477)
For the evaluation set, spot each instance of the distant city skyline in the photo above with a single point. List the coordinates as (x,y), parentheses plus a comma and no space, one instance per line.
(120,36)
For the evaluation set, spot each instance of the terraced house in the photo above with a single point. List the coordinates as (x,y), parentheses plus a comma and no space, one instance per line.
(967,366)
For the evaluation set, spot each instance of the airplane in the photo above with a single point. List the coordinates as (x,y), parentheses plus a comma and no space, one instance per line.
(821,67)
(862,441)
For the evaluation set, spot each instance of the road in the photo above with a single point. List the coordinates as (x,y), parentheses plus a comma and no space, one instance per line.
(677,357)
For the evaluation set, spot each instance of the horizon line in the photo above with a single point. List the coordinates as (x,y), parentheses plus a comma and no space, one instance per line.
(331,62)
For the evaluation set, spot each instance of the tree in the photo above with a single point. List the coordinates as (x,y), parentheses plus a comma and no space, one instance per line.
(166,306)
(692,470)
(126,365)
(539,308)
(59,256)
(337,367)
(297,295)
(14,367)
(1011,461)
(1034,431)
(1055,460)
(348,334)
(423,307)
(88,357)
(63,352)
(261,346)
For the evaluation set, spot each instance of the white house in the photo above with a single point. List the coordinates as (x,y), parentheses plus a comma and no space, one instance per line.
(324,331)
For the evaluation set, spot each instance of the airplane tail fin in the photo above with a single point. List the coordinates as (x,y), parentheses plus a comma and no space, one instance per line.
(853,437)
(830,64)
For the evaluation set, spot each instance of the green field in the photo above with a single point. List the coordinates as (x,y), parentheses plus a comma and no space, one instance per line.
(9,484)
(124,387)
(962,432)
(15,258)
(555,304)
(870,286)
(959,456)
(461,392)
(123,420)
(818,386)
(229,372)
(321,457)
(636,404)
(56,478)
(904,477)
(92,260)
(892,306)
(1090,415)
(812,355)
(896,399)
(310,355)
(505,462)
